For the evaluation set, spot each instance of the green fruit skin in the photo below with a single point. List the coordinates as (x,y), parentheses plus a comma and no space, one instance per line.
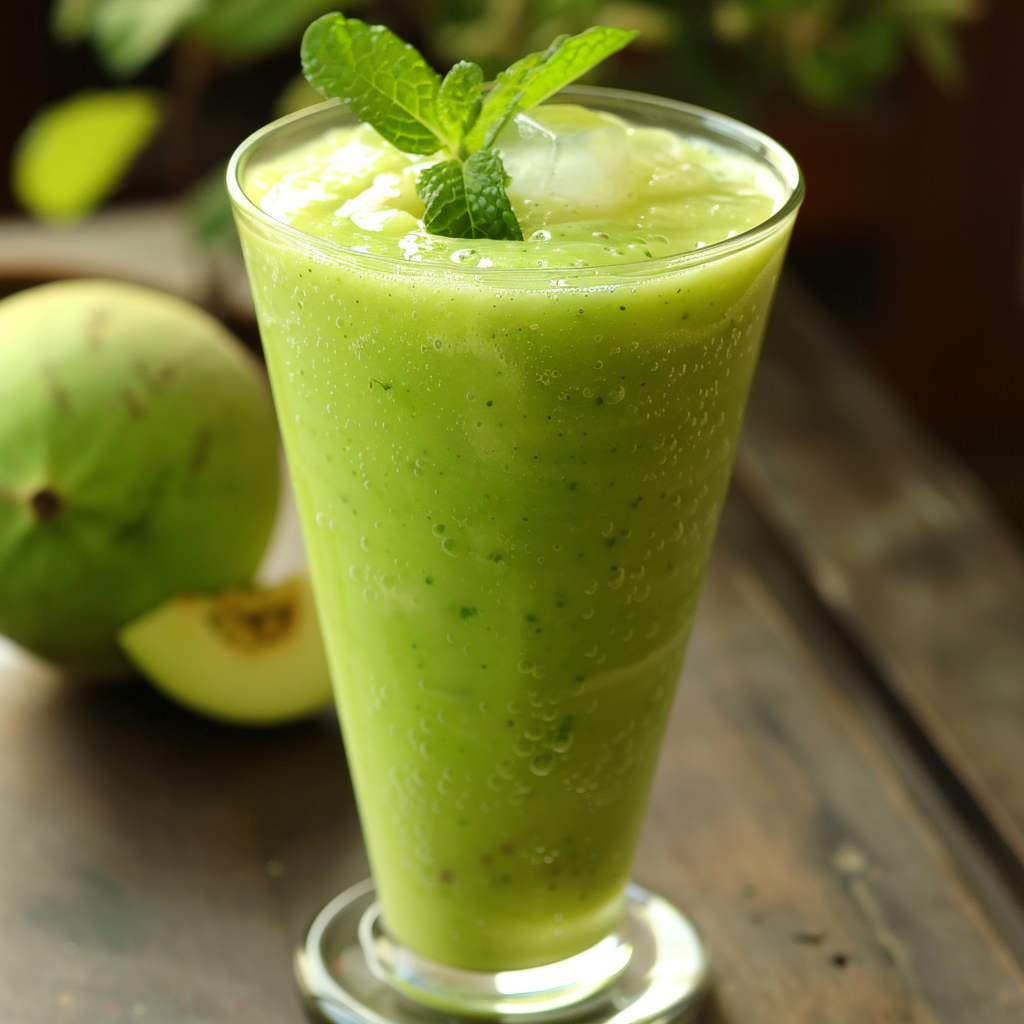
(154,429)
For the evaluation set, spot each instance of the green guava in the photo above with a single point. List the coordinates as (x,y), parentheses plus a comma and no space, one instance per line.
(138,460)
(246,656)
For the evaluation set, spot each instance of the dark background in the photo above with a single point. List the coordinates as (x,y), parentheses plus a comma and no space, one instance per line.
(912,233)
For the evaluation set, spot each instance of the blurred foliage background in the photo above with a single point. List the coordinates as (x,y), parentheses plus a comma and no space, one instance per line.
(907,116)
(733,55)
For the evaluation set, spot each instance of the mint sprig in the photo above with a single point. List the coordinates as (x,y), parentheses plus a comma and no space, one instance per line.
(388,84)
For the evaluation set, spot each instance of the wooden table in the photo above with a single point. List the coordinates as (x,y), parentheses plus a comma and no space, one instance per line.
(840,802)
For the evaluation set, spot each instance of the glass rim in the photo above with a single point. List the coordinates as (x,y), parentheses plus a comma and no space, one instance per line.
(756,143)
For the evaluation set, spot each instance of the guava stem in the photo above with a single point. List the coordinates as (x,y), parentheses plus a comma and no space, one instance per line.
(46,504)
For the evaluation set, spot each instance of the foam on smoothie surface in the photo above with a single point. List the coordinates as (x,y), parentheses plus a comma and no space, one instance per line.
(588,189)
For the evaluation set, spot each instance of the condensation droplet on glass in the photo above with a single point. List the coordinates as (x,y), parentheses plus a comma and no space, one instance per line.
(534,732)
(561,743)
(523,747)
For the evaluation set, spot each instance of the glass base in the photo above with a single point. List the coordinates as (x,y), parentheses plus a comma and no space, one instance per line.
(652,970)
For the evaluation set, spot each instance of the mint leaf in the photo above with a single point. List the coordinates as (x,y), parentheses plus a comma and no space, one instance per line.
(458,100)
(502,96)
(539,75)
(467,199)
(381,79)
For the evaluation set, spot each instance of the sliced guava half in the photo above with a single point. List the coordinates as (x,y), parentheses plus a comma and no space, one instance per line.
(244,656)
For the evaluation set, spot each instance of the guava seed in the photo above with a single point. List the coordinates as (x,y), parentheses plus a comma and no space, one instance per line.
(251,619)
(46,504)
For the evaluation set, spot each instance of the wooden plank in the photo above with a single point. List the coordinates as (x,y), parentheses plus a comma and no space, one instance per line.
(975,848)
(154,866)
(778,823)
(901,545)
(150,243)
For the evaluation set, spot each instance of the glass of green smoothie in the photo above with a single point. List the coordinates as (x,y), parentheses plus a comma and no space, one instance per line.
(509,459)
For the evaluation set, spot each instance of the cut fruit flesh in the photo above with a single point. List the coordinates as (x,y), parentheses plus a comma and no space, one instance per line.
(249,657)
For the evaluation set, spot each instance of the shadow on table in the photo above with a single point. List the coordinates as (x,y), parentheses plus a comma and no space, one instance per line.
(140,824)
(127,740)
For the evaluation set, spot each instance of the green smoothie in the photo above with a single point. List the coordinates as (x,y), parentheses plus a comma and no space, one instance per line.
(510,458)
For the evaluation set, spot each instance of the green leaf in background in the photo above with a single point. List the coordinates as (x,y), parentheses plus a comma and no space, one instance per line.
(458,99)
(874,47)
(208,207)
(244,30)
(821,79)
(467,199)
(76,152)
(71,20)
(539,75)
(381,79)
(732,21)
(935,44)
(955,10)
(128,34)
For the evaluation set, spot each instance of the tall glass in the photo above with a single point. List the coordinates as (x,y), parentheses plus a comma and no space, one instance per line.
(509,483)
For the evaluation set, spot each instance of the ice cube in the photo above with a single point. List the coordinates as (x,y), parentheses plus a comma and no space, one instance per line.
(528,151)
(567,160)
